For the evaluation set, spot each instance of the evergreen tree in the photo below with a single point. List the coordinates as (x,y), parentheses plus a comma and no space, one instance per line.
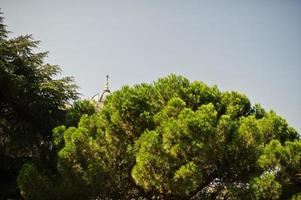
(173,139)
(32,103)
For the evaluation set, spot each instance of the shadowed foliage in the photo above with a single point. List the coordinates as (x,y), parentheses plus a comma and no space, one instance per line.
(32,102)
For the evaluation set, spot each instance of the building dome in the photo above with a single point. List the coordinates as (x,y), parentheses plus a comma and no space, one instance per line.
(99,98)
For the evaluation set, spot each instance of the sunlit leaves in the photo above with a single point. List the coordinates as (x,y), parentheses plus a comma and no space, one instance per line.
(187,178)
(266,187)
(173,152)
(235,104)
(273,126)
(173,139)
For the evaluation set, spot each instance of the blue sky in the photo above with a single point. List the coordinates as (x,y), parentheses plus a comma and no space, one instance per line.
(249,46)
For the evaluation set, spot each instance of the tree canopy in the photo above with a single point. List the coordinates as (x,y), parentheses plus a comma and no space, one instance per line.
(172,139)
(32,103)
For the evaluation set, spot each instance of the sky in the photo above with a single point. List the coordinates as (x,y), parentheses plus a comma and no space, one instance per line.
(251,46)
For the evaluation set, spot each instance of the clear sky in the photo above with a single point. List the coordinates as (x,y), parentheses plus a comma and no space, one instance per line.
(251,46)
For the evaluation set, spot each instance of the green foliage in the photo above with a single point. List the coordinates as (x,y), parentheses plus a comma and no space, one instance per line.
(176,140)
(296,197)
(258,111)
(78,109)
(266,187)
(198,93)
(187,178)
(32,103)
(235,104)
(80,163)
(164,156)
(33,184)
(273,126)
(284,161)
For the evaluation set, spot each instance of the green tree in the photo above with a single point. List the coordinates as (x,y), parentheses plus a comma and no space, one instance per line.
(32,102)
(173,139)
(75,176)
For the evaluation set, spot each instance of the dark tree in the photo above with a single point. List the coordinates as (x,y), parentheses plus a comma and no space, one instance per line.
(32,103)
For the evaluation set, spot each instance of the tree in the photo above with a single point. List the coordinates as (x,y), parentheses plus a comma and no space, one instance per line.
(73,147)
(173,139)
(32,103)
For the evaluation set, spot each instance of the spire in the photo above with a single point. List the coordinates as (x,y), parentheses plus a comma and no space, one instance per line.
(107,84)
(100,97)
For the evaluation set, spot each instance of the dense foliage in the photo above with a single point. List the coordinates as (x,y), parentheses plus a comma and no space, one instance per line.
(172,139)
(32,102)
